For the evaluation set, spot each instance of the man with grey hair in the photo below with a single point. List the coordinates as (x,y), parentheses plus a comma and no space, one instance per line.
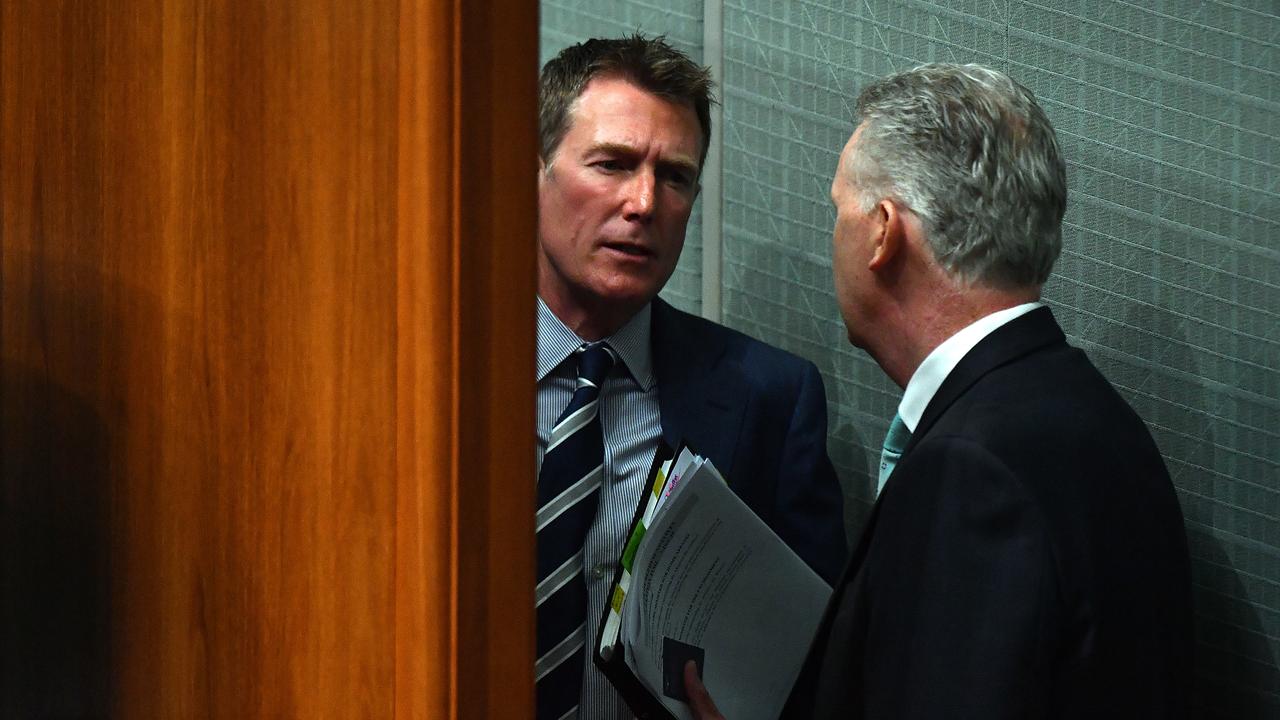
(1026,557)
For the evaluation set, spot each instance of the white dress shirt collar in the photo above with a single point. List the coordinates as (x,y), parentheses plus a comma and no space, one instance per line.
(557,342)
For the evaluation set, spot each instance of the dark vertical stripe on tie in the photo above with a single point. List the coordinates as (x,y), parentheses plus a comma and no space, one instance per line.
(562,615)
(558,691)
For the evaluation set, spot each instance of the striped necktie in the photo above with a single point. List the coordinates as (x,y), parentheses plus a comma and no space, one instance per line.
(568,492)
(895,441)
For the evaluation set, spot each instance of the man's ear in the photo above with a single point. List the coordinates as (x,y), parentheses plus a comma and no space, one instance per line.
(888,237)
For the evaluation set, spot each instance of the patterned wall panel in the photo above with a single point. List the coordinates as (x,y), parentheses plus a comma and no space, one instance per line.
(1170,278)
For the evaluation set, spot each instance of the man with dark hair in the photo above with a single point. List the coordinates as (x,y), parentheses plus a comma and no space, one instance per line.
(625,126)
(1026,557)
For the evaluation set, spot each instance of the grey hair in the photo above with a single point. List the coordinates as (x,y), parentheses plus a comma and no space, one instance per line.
(971,153)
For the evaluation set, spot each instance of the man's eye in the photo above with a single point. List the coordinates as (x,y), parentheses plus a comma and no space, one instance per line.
(611,165)
(679,179)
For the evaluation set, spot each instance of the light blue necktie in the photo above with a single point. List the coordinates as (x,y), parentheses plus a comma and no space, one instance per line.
(895,441)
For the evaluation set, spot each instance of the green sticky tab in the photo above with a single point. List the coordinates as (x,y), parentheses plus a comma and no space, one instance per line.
(629,555)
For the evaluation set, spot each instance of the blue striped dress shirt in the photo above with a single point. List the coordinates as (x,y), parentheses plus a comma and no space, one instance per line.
(632,427)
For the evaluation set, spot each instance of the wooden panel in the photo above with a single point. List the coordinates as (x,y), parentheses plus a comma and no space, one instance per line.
(496,235)
(266,349)
(56,335)
(424,613)
(474,410)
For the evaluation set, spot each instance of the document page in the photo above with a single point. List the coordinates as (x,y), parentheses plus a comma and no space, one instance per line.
(712,582)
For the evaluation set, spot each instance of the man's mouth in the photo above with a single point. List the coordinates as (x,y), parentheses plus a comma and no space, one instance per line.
(631,249)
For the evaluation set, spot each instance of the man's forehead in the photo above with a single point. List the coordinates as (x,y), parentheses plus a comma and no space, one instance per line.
(841,177)
(847,152)
(621,82)
(617,94)
(616,115)
(857,134)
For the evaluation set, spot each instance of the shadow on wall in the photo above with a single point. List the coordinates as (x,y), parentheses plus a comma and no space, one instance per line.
(852,434)
(64,370)
(1236,675)
(851,455)
(860,412)
(55,592)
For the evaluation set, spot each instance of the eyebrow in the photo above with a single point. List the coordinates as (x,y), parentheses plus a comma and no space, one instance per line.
(680,162)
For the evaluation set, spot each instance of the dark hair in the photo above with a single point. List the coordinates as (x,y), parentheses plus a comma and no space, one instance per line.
(649,63)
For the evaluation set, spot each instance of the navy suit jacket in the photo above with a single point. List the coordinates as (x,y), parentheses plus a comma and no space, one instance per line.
(760,414)
(1026,559)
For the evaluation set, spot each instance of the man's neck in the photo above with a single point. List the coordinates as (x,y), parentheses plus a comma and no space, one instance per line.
(590,324)
(922,326)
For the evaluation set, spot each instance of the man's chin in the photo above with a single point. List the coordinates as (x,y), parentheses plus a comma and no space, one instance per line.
(854,338)
(630,288)
(626,301)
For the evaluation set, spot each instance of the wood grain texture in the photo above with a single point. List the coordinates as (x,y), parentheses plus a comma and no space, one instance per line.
(426,634)
(495,234)
(55,335)
(267,358)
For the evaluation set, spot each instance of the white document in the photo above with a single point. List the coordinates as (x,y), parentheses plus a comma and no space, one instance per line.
(712,580)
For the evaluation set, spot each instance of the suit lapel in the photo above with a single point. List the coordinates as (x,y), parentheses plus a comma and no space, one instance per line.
(1007,343)
(702,396)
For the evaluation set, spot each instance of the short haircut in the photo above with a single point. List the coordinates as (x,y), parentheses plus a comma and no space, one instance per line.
(971,153)
(649,63)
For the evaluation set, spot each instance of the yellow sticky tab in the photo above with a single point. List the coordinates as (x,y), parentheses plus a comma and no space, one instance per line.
(658,481)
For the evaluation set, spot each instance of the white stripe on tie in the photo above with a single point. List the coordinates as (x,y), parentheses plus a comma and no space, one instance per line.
(557,579)
(570,497)
(559,653)
(572,424)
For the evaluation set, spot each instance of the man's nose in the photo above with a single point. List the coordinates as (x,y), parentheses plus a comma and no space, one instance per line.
(640,195)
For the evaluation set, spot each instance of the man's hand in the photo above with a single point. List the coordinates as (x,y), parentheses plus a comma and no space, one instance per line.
(699,699)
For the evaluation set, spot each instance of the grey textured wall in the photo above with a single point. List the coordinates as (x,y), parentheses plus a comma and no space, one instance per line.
(1170,276)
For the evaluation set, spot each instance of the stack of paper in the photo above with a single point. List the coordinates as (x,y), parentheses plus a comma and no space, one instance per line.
(703,578)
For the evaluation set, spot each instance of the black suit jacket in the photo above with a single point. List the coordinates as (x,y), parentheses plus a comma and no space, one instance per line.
(760,414)
(1026,559)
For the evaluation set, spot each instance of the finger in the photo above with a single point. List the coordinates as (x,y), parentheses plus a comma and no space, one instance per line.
(699,698)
